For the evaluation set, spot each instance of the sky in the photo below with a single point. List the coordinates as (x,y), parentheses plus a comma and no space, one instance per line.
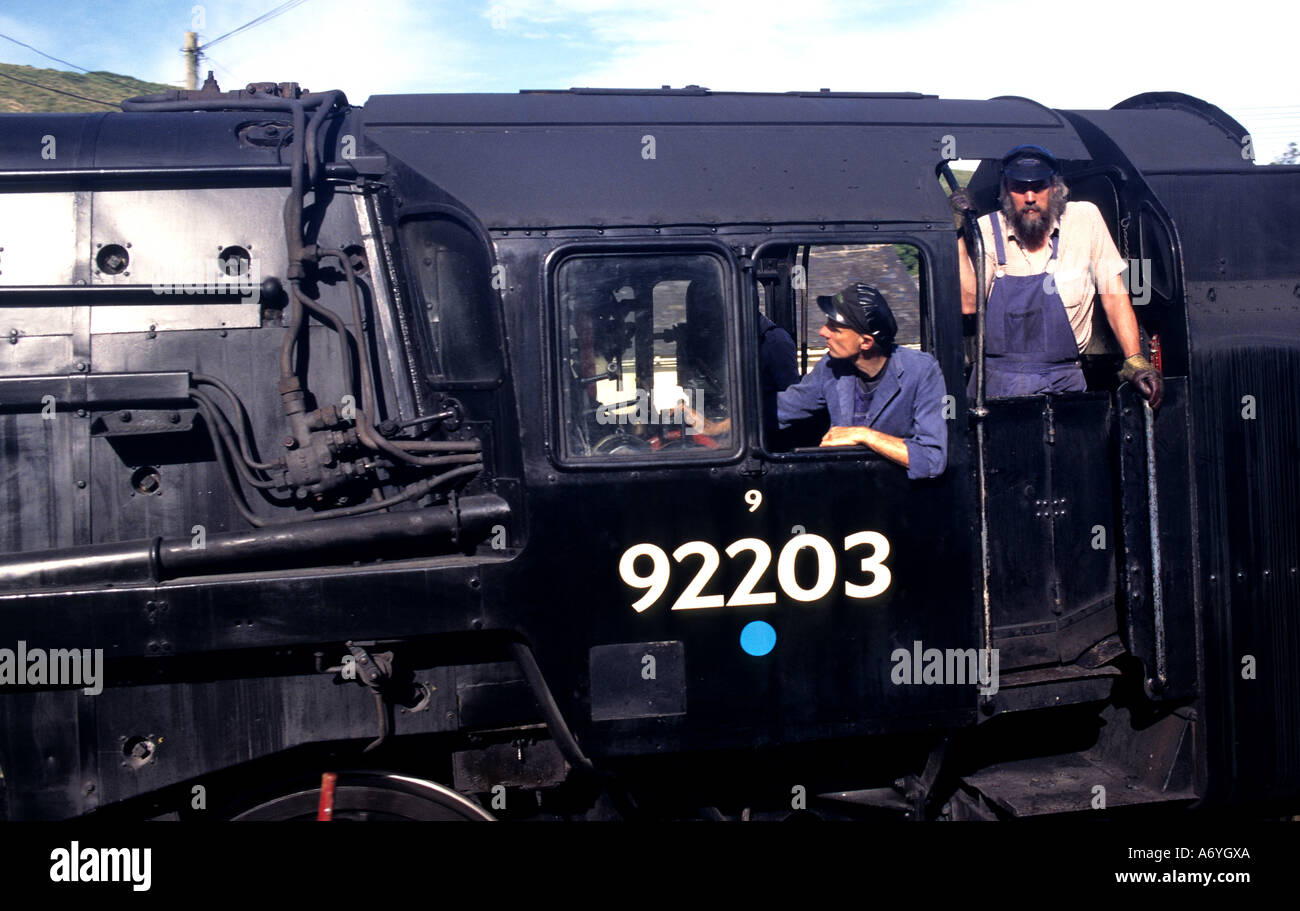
(1239,56)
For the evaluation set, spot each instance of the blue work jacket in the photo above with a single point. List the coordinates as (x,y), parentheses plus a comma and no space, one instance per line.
(908,403)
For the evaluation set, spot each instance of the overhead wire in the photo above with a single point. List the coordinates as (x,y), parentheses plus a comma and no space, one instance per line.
(59,91)
(43,54)
(113,76)
(265,17)
(218,65)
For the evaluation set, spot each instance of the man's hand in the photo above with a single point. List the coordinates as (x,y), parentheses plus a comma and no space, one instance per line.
(1145,378)
(847,436)
(960,202)
(698,423)
(891,447)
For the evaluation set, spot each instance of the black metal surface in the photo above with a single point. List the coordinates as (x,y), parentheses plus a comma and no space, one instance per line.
(1022,566)
(509,765)
(1051,518)
(102,390)
(1243,317)
(160,559)
(591,146)
(1054,535)
(1173,649)
(204,645)
(1084,532)
(638,680)
(1156,133)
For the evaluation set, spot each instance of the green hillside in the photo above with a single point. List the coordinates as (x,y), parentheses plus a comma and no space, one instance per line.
(17,95)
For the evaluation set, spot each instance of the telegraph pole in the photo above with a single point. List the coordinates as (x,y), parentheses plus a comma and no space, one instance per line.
(191,60)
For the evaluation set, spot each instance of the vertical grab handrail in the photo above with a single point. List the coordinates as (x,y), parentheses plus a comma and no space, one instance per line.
(975,250)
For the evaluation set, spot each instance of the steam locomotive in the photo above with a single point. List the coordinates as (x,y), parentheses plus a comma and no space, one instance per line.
(345,469)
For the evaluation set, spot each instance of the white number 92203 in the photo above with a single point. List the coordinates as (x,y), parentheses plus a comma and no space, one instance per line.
(656,581)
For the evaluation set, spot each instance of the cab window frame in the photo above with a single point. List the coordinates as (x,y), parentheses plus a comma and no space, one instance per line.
(556,357)
(926,333)
(427,354)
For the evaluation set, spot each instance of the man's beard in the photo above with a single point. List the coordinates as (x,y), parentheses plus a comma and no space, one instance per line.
(1031,226)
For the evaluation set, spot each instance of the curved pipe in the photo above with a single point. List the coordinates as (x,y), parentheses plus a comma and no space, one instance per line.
(167,102)
(365,428)
(328,101)
(437,446)
(240,423)
(560,733)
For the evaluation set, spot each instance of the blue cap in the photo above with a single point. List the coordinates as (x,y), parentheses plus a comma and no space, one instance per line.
(1029,163)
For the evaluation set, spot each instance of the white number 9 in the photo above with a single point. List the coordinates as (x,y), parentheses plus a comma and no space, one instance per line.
(754,498)
(657,581)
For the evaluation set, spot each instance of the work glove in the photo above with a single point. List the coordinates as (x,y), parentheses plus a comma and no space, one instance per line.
(960,202)
(1145,378)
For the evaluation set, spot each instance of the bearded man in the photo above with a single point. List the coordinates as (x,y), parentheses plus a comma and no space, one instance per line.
(1044,259)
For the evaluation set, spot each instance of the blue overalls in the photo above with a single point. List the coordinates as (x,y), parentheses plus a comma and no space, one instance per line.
(1029,347)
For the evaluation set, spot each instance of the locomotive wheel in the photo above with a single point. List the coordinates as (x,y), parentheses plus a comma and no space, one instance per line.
(372,797)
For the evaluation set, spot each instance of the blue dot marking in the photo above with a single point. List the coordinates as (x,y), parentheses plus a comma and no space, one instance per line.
(757,638)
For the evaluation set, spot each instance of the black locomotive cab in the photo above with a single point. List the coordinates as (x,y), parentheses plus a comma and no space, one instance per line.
(481,498)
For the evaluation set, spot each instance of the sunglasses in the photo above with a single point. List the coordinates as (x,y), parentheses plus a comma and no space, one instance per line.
(1027,186)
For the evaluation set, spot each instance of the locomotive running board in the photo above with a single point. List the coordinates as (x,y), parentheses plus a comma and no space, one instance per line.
(1048,687)
(1095,779)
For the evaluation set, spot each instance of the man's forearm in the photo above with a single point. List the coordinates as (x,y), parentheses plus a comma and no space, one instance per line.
(891,447)
(967,272)
(1123,322)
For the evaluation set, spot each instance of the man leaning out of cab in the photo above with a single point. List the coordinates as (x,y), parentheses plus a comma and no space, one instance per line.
(887,398)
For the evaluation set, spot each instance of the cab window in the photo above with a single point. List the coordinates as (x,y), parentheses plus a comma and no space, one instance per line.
(453,281)
(791,277)
(643,357)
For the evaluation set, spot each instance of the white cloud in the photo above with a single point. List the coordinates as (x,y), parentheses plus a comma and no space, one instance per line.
(1067,57)
(327,44)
